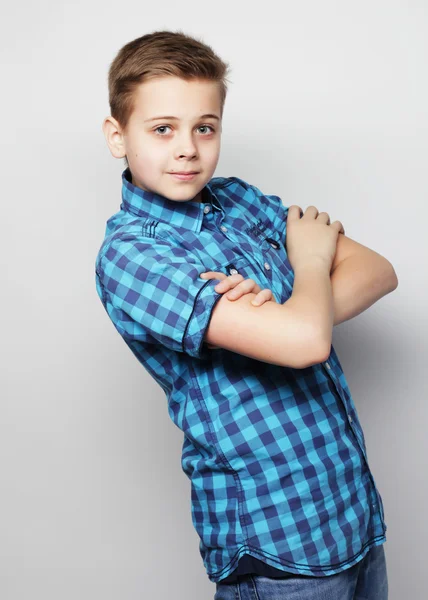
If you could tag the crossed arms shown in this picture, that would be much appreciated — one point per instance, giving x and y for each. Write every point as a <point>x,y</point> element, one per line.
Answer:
<point>282,334</point>
<point>359,278</point>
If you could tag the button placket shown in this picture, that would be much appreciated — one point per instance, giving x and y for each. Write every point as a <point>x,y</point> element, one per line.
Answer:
<point>277,246</point>
<point>273,243</point>
<point>349,417</point>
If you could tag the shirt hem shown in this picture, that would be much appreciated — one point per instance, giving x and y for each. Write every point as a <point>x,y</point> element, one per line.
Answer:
<point>290,567</point>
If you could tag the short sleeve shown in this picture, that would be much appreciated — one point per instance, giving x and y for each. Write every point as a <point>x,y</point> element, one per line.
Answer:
<point>153,293</point>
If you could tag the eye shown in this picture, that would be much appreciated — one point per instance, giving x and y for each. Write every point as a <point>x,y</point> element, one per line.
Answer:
<point>168,127</point>
<point>209,127</point>
<point>160,127</point>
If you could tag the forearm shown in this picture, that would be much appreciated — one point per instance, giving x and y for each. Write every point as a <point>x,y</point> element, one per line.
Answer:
<point>312,299</point>
<point>358,282</point>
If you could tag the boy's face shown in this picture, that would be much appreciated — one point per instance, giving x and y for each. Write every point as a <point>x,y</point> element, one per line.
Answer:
<point>157,147</point>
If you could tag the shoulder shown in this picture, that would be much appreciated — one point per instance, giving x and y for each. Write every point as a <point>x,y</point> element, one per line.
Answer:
<point>136,256</point>
<point>229,182</point>
<point>251,198</point>
<point>131,242</point>
<point>238,184</point>
<point>238,191</point>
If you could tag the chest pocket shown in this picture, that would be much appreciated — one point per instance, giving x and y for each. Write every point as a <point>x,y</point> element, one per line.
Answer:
<point>269,254</point>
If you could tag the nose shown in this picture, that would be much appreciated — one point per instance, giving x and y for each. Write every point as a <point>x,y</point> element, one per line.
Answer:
<point>186,147</point>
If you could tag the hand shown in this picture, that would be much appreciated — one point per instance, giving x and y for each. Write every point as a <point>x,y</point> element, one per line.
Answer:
<point>236,286</point>
<point>311,236</point>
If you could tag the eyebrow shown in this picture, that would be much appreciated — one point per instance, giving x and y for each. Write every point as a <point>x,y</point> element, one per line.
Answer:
<point>177,119</point>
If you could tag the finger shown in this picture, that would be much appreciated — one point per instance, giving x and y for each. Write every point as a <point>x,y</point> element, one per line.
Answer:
<point>338,225</point>
<point>213,275</point>
<point>244,287</point>
<point>241,288</point>
<point>311,212</point>
<point>228,283</point>
<point>324,217</point>
<point>262,297</point>
<point>295,212</point>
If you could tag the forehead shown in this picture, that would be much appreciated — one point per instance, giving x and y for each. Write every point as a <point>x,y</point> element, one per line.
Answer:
<point>182,98</point>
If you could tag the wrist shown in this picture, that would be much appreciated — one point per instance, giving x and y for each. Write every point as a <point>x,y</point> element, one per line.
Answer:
<point>316,262</point>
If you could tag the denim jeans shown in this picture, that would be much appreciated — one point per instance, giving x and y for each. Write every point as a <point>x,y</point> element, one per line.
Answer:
<point>366,580</point>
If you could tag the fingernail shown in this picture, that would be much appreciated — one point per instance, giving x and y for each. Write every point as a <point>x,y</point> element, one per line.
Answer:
<point>255,302</point>
<point>202,275</point>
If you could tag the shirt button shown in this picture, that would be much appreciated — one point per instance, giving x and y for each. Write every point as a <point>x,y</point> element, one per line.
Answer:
<point>327,365</point>
<point>207,209</point>
<point>267,266</point>
<point>350,418</point>
<point>233,271</point>
<point>223,228</point>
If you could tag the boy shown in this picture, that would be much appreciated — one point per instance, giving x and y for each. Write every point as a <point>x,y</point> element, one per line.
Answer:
<point>282,493</point>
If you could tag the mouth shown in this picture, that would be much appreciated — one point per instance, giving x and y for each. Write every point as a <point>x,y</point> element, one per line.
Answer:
<point>185,175</point>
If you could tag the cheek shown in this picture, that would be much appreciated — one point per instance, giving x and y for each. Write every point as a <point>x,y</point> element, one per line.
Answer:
<point>214,151</point>
<point>149,157</point>
<point>211,151</point>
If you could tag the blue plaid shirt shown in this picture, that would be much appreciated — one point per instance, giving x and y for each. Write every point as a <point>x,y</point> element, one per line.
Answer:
<point>276,456</point>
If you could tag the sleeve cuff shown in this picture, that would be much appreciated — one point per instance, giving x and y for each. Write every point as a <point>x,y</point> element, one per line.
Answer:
<point>199,320</point>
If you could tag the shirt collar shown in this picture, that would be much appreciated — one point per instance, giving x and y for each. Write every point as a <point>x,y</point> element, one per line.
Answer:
<point>150,204</point>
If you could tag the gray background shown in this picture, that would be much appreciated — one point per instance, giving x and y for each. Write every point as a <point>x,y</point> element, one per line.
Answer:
<point>327,106</point>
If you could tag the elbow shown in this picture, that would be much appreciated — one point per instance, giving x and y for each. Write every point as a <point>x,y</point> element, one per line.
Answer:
<point>318,351</point>
<point>394,279</point>
<point>324,353</point>
<point>321,346</point>
<point>321,355</point>
<point>391,277</point>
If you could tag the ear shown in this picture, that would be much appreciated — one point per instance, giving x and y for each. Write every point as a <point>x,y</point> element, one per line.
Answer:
<point>114,137</point>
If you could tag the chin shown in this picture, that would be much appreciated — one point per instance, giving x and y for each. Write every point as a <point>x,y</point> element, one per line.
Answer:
<point>183,194</point>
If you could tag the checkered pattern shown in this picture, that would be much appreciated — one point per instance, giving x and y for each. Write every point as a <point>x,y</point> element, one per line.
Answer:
<point>276,456</point>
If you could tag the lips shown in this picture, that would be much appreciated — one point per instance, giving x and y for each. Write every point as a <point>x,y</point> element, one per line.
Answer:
<point>185,176</point>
